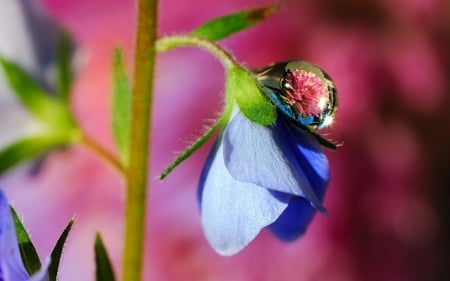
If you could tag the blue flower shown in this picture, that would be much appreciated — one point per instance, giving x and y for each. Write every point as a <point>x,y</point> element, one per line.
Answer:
<point>267,168</point>
<point>259,177</point>
<point>11,265</point>
<point>269,175</point>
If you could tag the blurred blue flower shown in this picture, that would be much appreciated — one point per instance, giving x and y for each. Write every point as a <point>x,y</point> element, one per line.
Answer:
<point>260,176</point>
<point>29,38</point>
<point>11,265</point>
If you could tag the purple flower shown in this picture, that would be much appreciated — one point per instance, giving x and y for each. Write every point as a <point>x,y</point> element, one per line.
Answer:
<point>260,176</point>
<point>11,265</point>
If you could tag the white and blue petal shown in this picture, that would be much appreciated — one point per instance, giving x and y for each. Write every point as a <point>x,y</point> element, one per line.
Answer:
<point>274,157</point>
<point>233,211</point>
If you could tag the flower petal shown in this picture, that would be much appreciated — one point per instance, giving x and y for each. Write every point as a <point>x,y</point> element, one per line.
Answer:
<point>206,168</point>
<point>308,154</point>
<point>298,215</point>
<point>294,220</point>
<point>271,157</point>
<point>234,212</point>
<point>11,265</point>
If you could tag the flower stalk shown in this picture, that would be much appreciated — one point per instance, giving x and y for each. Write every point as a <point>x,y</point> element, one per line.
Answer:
<point>136,179</point>
<point>87,142</point>
<point>170,42</point>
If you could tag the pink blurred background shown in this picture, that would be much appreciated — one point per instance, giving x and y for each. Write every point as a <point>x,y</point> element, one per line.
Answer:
<point>388,197</point>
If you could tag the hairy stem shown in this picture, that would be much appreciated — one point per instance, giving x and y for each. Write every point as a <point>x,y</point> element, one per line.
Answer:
<point>170,42</point>
<point>142,85</point>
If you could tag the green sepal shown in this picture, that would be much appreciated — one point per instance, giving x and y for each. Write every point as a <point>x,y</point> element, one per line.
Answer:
<point>121,106</point>
<point>26,149</point>
<point>103,268</point>
<point>57,252</point>
<point>39,103</point>
<point>28,253</point>
<point>242,88</point>
<point>64,73</point>
<point>193,147</point>
<point>225,26</point>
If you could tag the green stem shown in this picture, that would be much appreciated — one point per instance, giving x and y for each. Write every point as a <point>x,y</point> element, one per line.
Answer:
<point>98,149</point>
<point>139,140</point>
<point>170,42</point>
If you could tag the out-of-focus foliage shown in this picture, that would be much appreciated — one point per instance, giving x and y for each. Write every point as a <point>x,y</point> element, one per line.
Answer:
<point>57,126</point>
<point>121,106</point>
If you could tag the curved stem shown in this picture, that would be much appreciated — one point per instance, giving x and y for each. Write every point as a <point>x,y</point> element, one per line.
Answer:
<point>142,85</point>
<point>98,149</point>
<point>170,42</point>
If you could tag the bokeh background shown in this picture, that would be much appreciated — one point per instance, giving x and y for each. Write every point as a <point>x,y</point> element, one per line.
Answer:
<point>388,200</point>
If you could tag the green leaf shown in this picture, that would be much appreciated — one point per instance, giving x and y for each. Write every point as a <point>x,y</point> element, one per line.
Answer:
<point>104,271</point>
<point>64,52</point>
<point>243,89</point>
<point>28,253</point>
<point>121,106</point>
<point>34,98</point>
<point>57,252</point>
<point>225,26</point>
<point>26,149</point>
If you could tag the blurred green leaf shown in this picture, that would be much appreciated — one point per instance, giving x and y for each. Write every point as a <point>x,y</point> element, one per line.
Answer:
<point>104,271</point>
<point>243,89</point>
<point>35,99</point>
<point>121,106</point>
<point>57,252</point>
<point>225,26</point>
<point>28,253</point>
<point>25,149</point>
<point>64,72</point>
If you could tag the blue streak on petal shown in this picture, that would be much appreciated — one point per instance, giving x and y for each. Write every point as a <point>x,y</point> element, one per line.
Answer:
<point>11,266</point>
<point>266,156</point>
<point>298,215</point>
<point>305,154</point>
<point>234,212</point>
<point>294,220</point>
<point>206,168</point>
<point>307,151</point>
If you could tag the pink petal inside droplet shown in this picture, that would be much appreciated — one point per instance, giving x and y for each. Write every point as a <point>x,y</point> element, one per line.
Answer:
<point>306,92</point>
